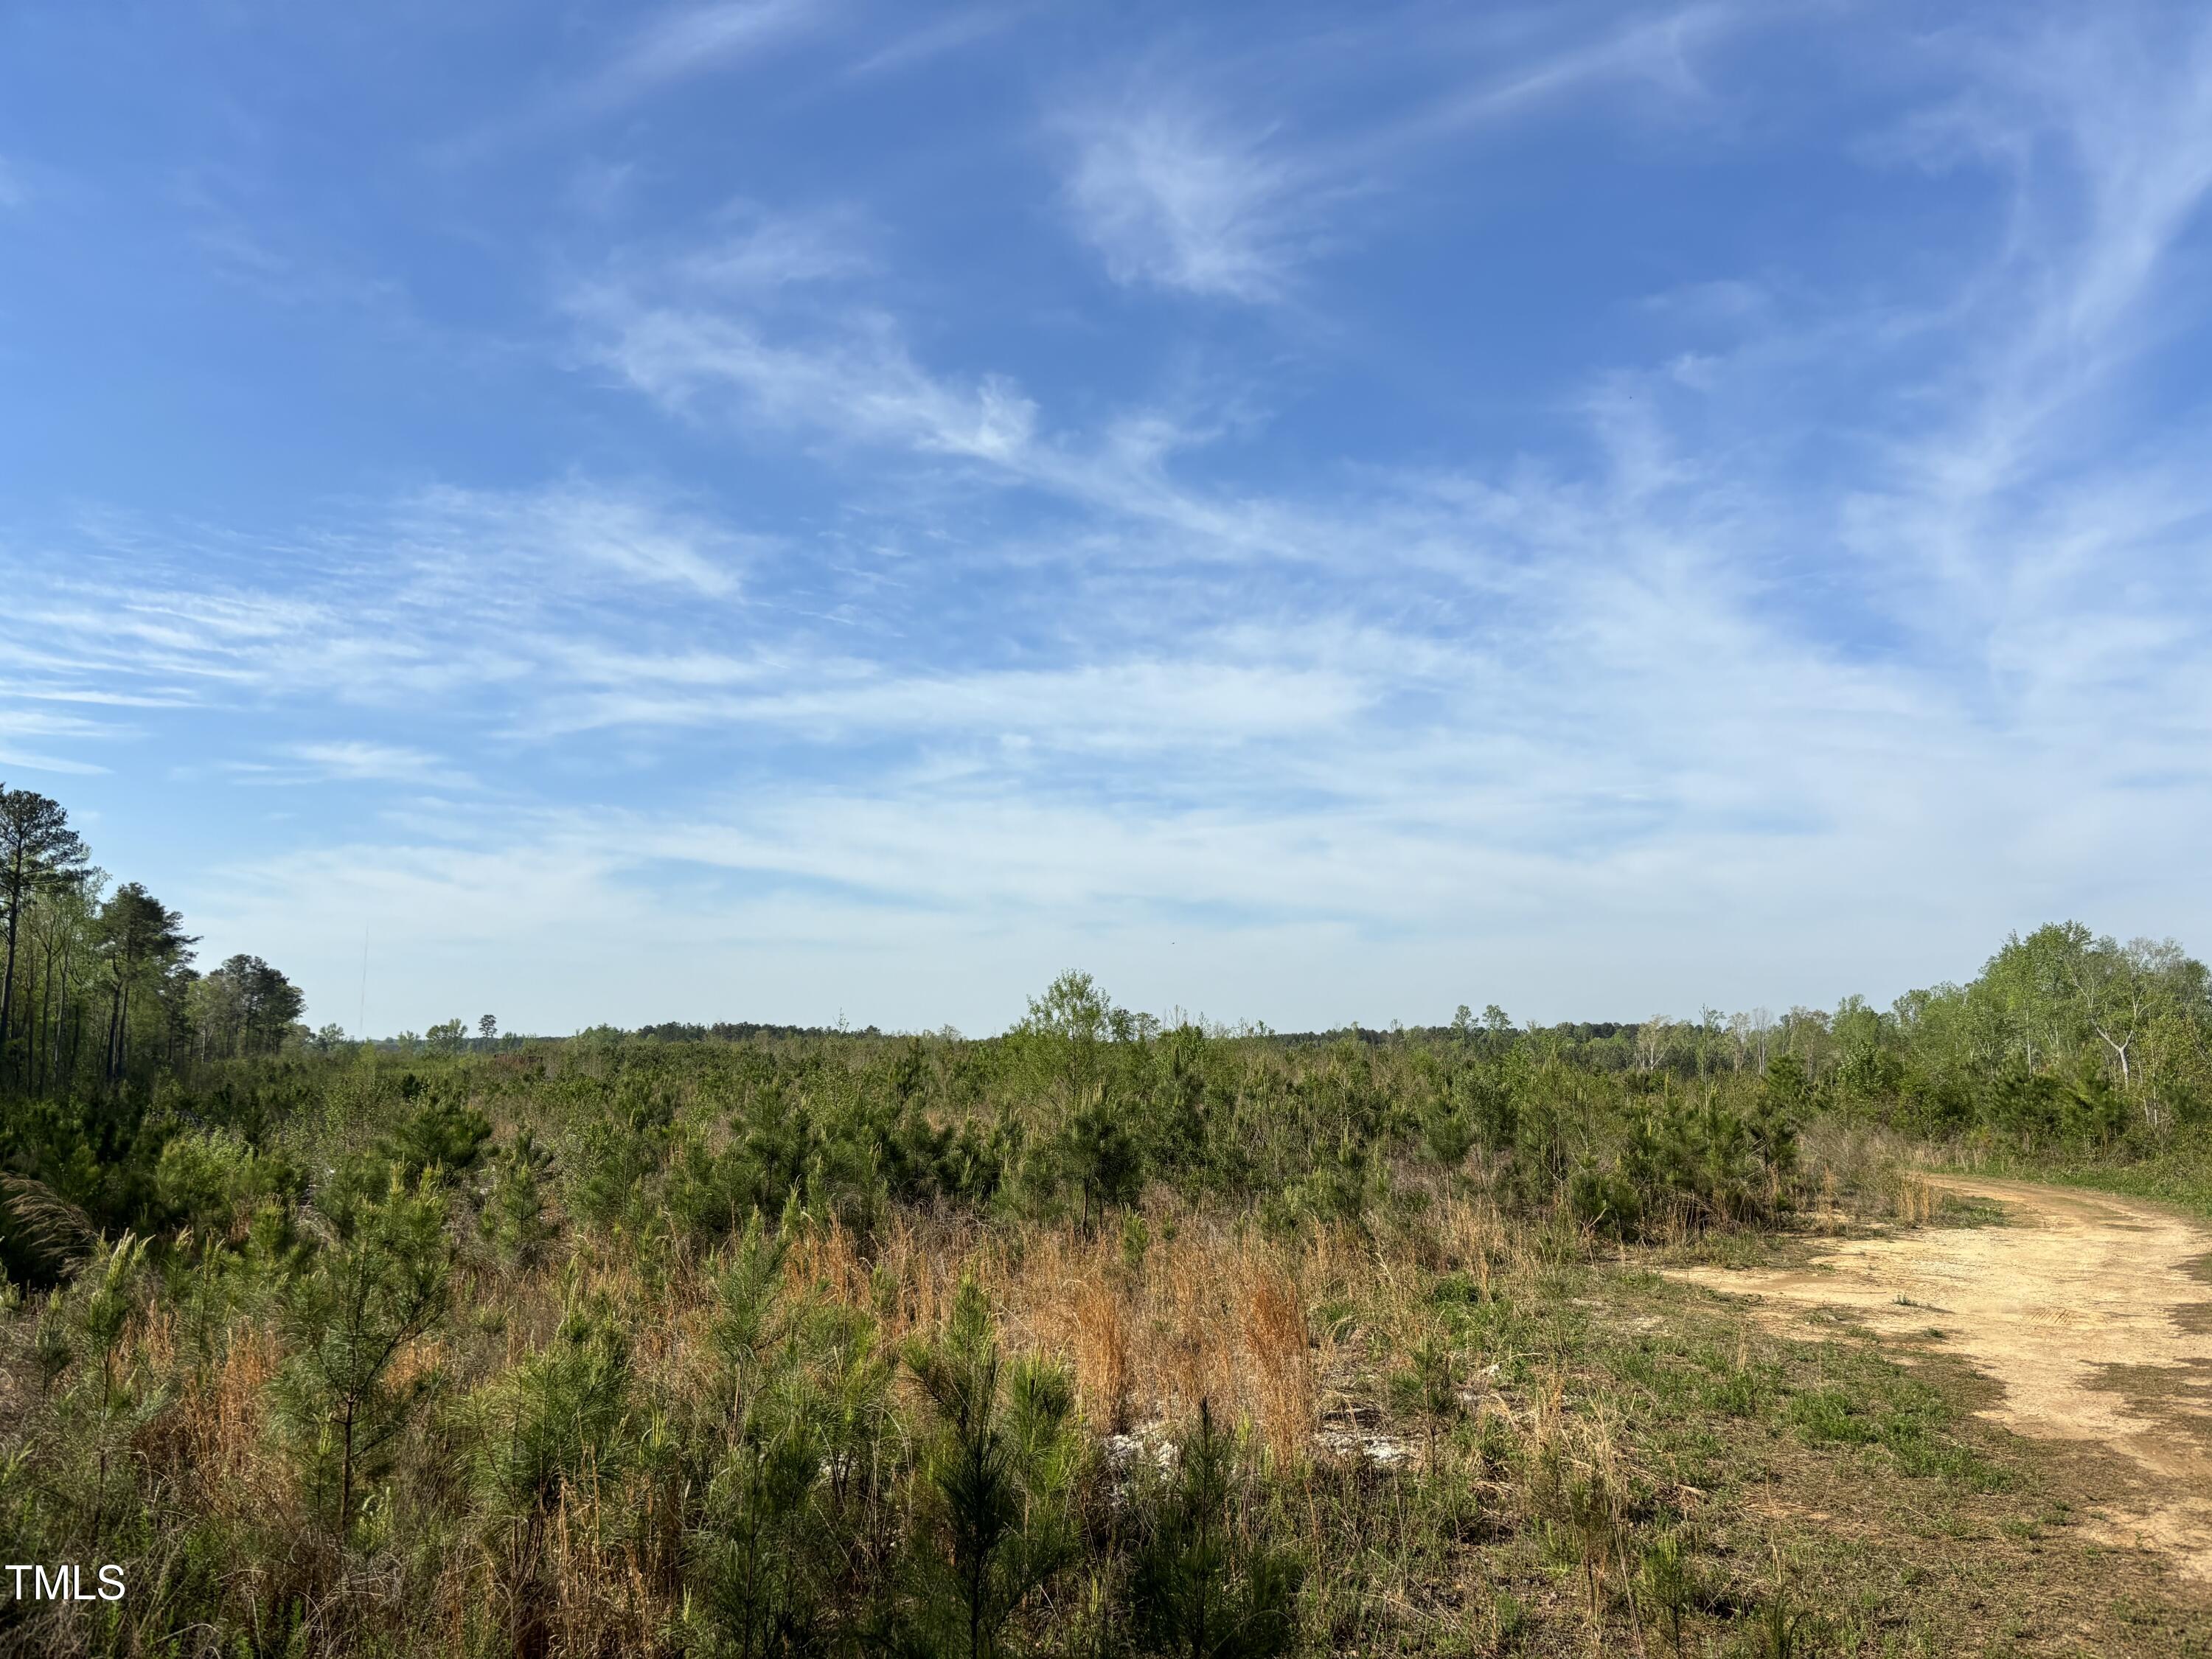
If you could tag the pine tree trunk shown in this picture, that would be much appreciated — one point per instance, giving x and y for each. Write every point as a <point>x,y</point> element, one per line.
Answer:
<point>118,1032</point>
<point>61,1030</point>
<point>8,980</point>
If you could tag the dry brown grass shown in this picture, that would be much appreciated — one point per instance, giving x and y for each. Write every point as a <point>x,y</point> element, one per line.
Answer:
<point>1101,1356</point>
<point>1285,1335</point>
<point>1275,1339</point>
<point>1217,1312</point>
<point>214,1447</point>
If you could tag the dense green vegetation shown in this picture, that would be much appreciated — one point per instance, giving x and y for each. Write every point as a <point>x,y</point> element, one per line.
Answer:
<point>1094,1336</point>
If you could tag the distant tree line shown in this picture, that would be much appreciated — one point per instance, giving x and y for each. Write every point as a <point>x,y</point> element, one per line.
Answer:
<point>98,990</point>
<point>2064,1036</point>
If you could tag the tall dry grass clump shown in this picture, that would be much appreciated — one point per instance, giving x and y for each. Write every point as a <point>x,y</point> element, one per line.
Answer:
<point>1276,1345</point>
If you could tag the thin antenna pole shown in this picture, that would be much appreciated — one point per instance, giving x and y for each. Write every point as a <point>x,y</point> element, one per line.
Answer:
<point>361,1025</point>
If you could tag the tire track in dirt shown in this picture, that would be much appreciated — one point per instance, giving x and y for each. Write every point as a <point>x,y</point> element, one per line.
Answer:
<point>2093,1312</point>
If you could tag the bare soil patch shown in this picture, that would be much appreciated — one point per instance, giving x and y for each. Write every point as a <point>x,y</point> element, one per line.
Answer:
<point>2090,1311</point>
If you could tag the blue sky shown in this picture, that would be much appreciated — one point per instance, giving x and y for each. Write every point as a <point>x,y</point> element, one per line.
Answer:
<point>770,509</point>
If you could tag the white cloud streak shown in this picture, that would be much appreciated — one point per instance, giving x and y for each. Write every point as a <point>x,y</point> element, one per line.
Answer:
<point>352,760</point>
<point>1189,191</point>
<point>584,529</point>
<point>1169,197</point>
<point>42,727</point>
<point>688,41</point>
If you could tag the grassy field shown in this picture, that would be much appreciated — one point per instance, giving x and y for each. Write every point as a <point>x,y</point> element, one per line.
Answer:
<point>1201,1345</point>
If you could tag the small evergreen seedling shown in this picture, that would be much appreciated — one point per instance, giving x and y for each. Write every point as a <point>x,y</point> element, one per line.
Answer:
<point>997,1485</point>
<point>105,1400</point>
<point>1668,1583</point>
<point>560,1417</point>
<point>749,1318</point>
<point>1427,1386</point>
<point>762,1550</point>
<point>1201,1587</point>
<point>1102,1160</point>
<point>514,1219</point>
<point>1449,1131</point>
<point>758,1555</point>
<point>367,1296</point>
<point>1136,1246</point>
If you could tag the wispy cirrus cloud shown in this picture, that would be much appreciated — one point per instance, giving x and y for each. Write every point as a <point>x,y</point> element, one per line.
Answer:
<point>1197,700</point>
<point>672,45</point>
<point>2029,467</point>
<point>762,254</point>
<point>575,529</point>
<point>357,761</point>
<point>860,381</point>
<point>350,761</point>
<point>1218,184</point>
<point>433,590</point>
<point>1171,196</point>
<point>28,737</point>
<point>759,360</point>
<point>1503,80</point>
<point>688,40</point>
<point>964,28</point>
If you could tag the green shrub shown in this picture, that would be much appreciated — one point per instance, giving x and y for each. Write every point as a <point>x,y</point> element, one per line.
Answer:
<point>207,1180</point>
<point>995,1516</point>
<point>1204,1582</point>
<point>514,1219</point>
<point>560,1418</point>
<point>362,1298</point>
<point>437,1135</point>
<point>780,1558</point>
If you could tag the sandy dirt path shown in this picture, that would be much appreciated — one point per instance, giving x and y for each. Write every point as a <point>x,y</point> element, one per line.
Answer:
<point>2093,1312</point>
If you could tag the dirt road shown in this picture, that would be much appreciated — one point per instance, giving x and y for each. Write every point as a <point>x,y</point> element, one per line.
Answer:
<point>2093,1312</point>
